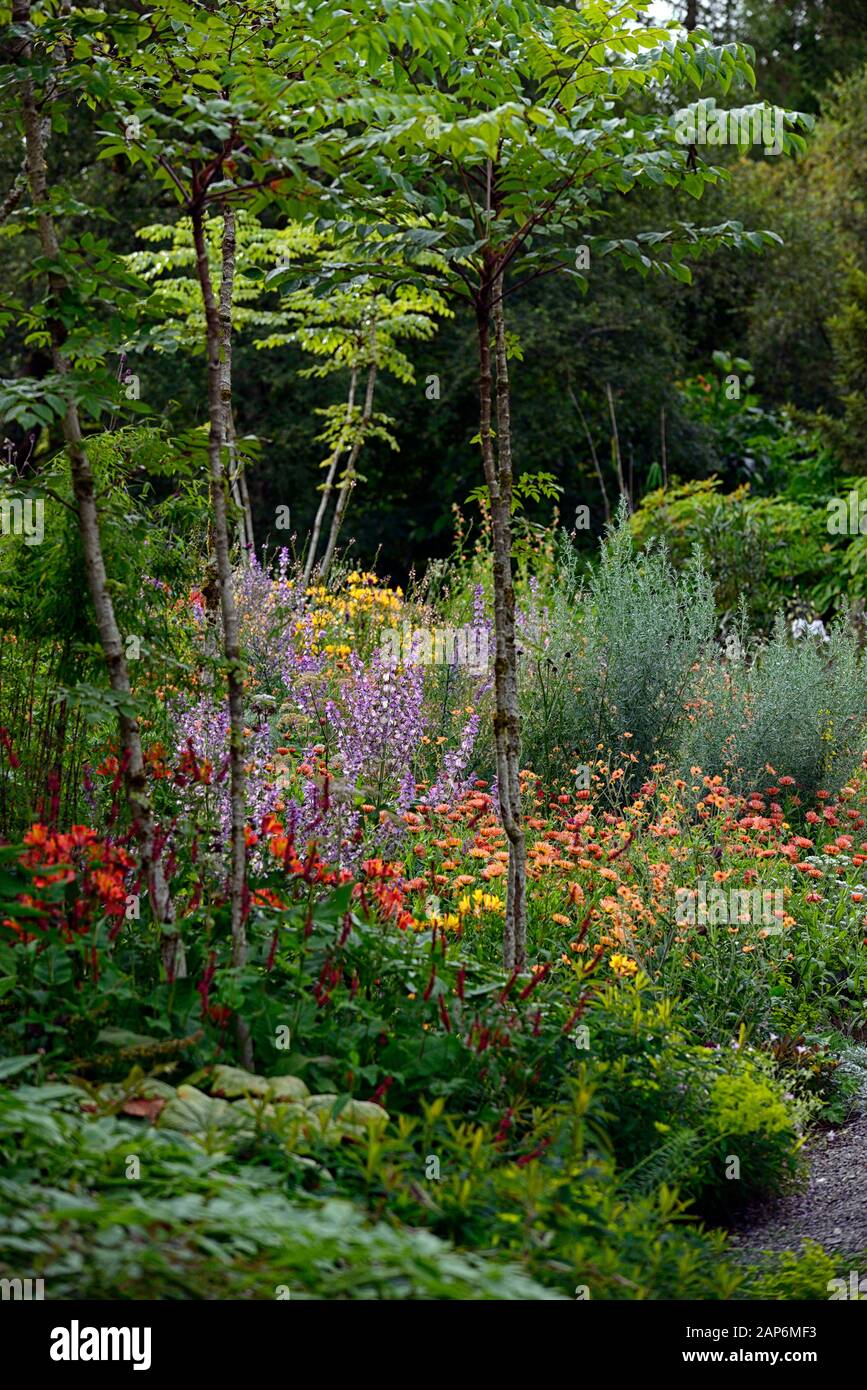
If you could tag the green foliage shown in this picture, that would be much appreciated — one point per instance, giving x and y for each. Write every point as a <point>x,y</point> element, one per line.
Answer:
<point>848,330</point>
<point>384,161</point>
<point>678,1113</point>
<point>632,666</point>
<point>528,487</point>
<point>193,1226</point>
<point>766,549</point>
<point>803,1275</point>
<point>797,708</point>
<point>805,710</point>
<point>607,670</point>
<point>57,707</point>
<point>768,538</point>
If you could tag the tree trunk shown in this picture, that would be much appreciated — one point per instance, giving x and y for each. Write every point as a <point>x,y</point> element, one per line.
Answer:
<point>248,511</point>
<point>328,488</point>
<point>15,194</point>
<point>138,796</point>
<point>349,475</point>
<point>218,326</point>
<point>507,738</point>
<point>227,283</point>
<point>615,447</point>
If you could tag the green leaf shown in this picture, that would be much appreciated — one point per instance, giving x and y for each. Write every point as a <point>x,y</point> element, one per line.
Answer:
<point>11,1066</point>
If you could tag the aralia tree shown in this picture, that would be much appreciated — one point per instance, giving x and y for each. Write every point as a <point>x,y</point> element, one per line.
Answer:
<point>504,155</point>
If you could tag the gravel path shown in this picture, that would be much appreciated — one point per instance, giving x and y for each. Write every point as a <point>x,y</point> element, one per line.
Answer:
<point>831,1210</point>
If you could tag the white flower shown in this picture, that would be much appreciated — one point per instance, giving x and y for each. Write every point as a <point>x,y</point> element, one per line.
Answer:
<point>801,628</point>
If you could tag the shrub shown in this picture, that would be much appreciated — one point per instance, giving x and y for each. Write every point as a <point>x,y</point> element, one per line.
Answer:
<point>806,1274</point>
<point>805,706</point>
<point>621,678</point>
<point>677,1112</point>
<point>764,548</point>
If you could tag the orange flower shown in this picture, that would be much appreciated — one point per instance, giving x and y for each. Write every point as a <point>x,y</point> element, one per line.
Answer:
<point>264,897</point>
<point>494,870</point>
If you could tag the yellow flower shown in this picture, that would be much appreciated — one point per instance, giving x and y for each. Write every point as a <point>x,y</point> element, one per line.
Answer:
<point>622,966</point>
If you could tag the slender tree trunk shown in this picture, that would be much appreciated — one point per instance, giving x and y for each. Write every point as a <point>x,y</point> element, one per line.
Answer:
<point>248,511</point>
<point>84,491</point>
<point>218,326</point>
<point>615,446</point>
<point>663,447</point>
<point>348,483</point>
<point>15,194</point>
<point>328,487</point>
<point>235,474</point>
<point>227,284</point>
<point>595,457</point>
<point>507,742</point>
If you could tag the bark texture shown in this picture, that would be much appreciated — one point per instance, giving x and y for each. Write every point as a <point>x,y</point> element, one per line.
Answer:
<point>507,739</point>
<point>237,483</point>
